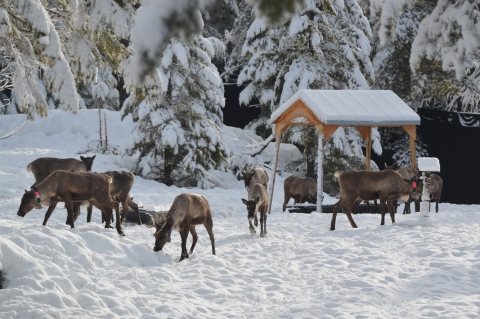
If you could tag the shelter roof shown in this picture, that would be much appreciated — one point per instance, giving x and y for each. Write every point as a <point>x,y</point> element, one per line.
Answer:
<point>353,107</point>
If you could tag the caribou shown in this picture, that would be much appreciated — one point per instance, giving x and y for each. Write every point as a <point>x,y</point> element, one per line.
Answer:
<point>70,187</point>
<point>120,191</point>
<point>257,202</point>
<point>385,186</point>
<point>187,211</point>
<point>256,175</point>
<point>408,173</point>
<point>44,166</point>
<point>301,189</point>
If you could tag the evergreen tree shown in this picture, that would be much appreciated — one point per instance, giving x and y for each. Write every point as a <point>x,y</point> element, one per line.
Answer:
<point>323,46</point>
<point>444,52</point>
<point>56,48</point>
<point>178,133</point>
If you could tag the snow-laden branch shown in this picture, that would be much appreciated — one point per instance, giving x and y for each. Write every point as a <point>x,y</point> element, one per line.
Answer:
<point>14,131</point>
<point>259,147</point>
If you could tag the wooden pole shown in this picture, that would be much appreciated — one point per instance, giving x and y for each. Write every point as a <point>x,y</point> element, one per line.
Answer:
<point>412,153</point>
<point>320,169</point>
<point>271,184</point>
<point>106,132</point>
<point>368,147</point>
<point>100,121</point>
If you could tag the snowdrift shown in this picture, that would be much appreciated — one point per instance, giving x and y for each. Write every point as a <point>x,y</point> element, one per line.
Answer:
<point>299,270</point>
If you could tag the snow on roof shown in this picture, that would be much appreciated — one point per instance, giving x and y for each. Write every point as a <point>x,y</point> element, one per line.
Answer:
<point>428,164</point>
<point>354,107</point>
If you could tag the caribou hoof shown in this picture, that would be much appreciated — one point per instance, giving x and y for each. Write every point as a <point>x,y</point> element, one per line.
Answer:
<point>252,230</point>
<point>169,239</point>
<point>120,231</point>
<point>184,256</point>
<point>263,234</point>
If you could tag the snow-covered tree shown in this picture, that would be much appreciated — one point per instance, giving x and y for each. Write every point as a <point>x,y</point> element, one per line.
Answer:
<point>178,133</point>
<point>324,45</point>
<point>445,49</point>
<point>160,20</point>
<point>59,44</point>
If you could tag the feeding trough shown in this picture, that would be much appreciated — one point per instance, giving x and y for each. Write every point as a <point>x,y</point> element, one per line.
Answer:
<point>148,217</point>
<point>426,165</point>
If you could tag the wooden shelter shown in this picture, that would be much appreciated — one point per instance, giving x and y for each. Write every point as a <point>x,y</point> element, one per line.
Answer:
<point>330,109</point>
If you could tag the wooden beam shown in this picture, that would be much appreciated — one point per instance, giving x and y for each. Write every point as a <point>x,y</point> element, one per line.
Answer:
<point>279,129</point>
<point>363,130</point>
<point>298,114</point>
<point>411,131</point>
<point>328,131</point>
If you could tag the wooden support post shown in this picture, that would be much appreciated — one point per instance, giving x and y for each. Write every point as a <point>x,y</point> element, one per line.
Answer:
<point>412,153</point>
<point>368,146</point>
<point>320,169</point>
<point>279,128</point>
<point>412,133</point>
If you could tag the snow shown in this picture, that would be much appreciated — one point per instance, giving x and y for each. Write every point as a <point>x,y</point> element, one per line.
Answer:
<point>353,107</point>
<point>428,164</point>
<point>300,270</point>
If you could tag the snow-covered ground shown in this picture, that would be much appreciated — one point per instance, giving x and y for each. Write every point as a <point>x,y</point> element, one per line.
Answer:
<point>300,270</point>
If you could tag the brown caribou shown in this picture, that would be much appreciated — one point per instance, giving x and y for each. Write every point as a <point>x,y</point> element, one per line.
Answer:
<point>256,175</point>
<point>407,173</point>
<point>436,185</point>
<point>44,166</point>
<point>68,187</point>
<point>120,191</point>
<point>187,211</point>
<point>301,189</point>
<point>257,202</point>
<point>385,186</point>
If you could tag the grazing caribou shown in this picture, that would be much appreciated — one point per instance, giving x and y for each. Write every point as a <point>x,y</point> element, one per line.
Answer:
<point>385,186</point>
<point>256,175</point>
<point>301,189</point>
<point>257,202</point>
<point>120,191</point>
<point>44,166</point>
<point>187,211</point>
<point>68,187</point>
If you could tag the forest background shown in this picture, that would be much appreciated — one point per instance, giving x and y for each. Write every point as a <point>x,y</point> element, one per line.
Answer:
<point>170,65</point>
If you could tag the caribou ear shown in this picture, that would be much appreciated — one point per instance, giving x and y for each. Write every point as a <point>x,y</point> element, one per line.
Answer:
<point>93,157</point>
<point>257,200</point>
<point>385,164</point>
<point>244,201</point>
<point>26,192</point>
<point>82,158</point>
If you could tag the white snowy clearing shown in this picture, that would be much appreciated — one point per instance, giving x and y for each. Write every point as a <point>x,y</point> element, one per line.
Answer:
<point>299,270</point>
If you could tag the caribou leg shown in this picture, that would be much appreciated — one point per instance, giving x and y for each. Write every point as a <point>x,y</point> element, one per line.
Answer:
<point>89,212</point>
<point>391,211</point>
<point>348,209</point>
<point>69,204</point>
<point>336,207</point>
<point>184,234</point>
<point>194,238</point>
<point>49,212</point>
<point>209,227</point>
<point>382,211</point>
<point>263,222</point>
